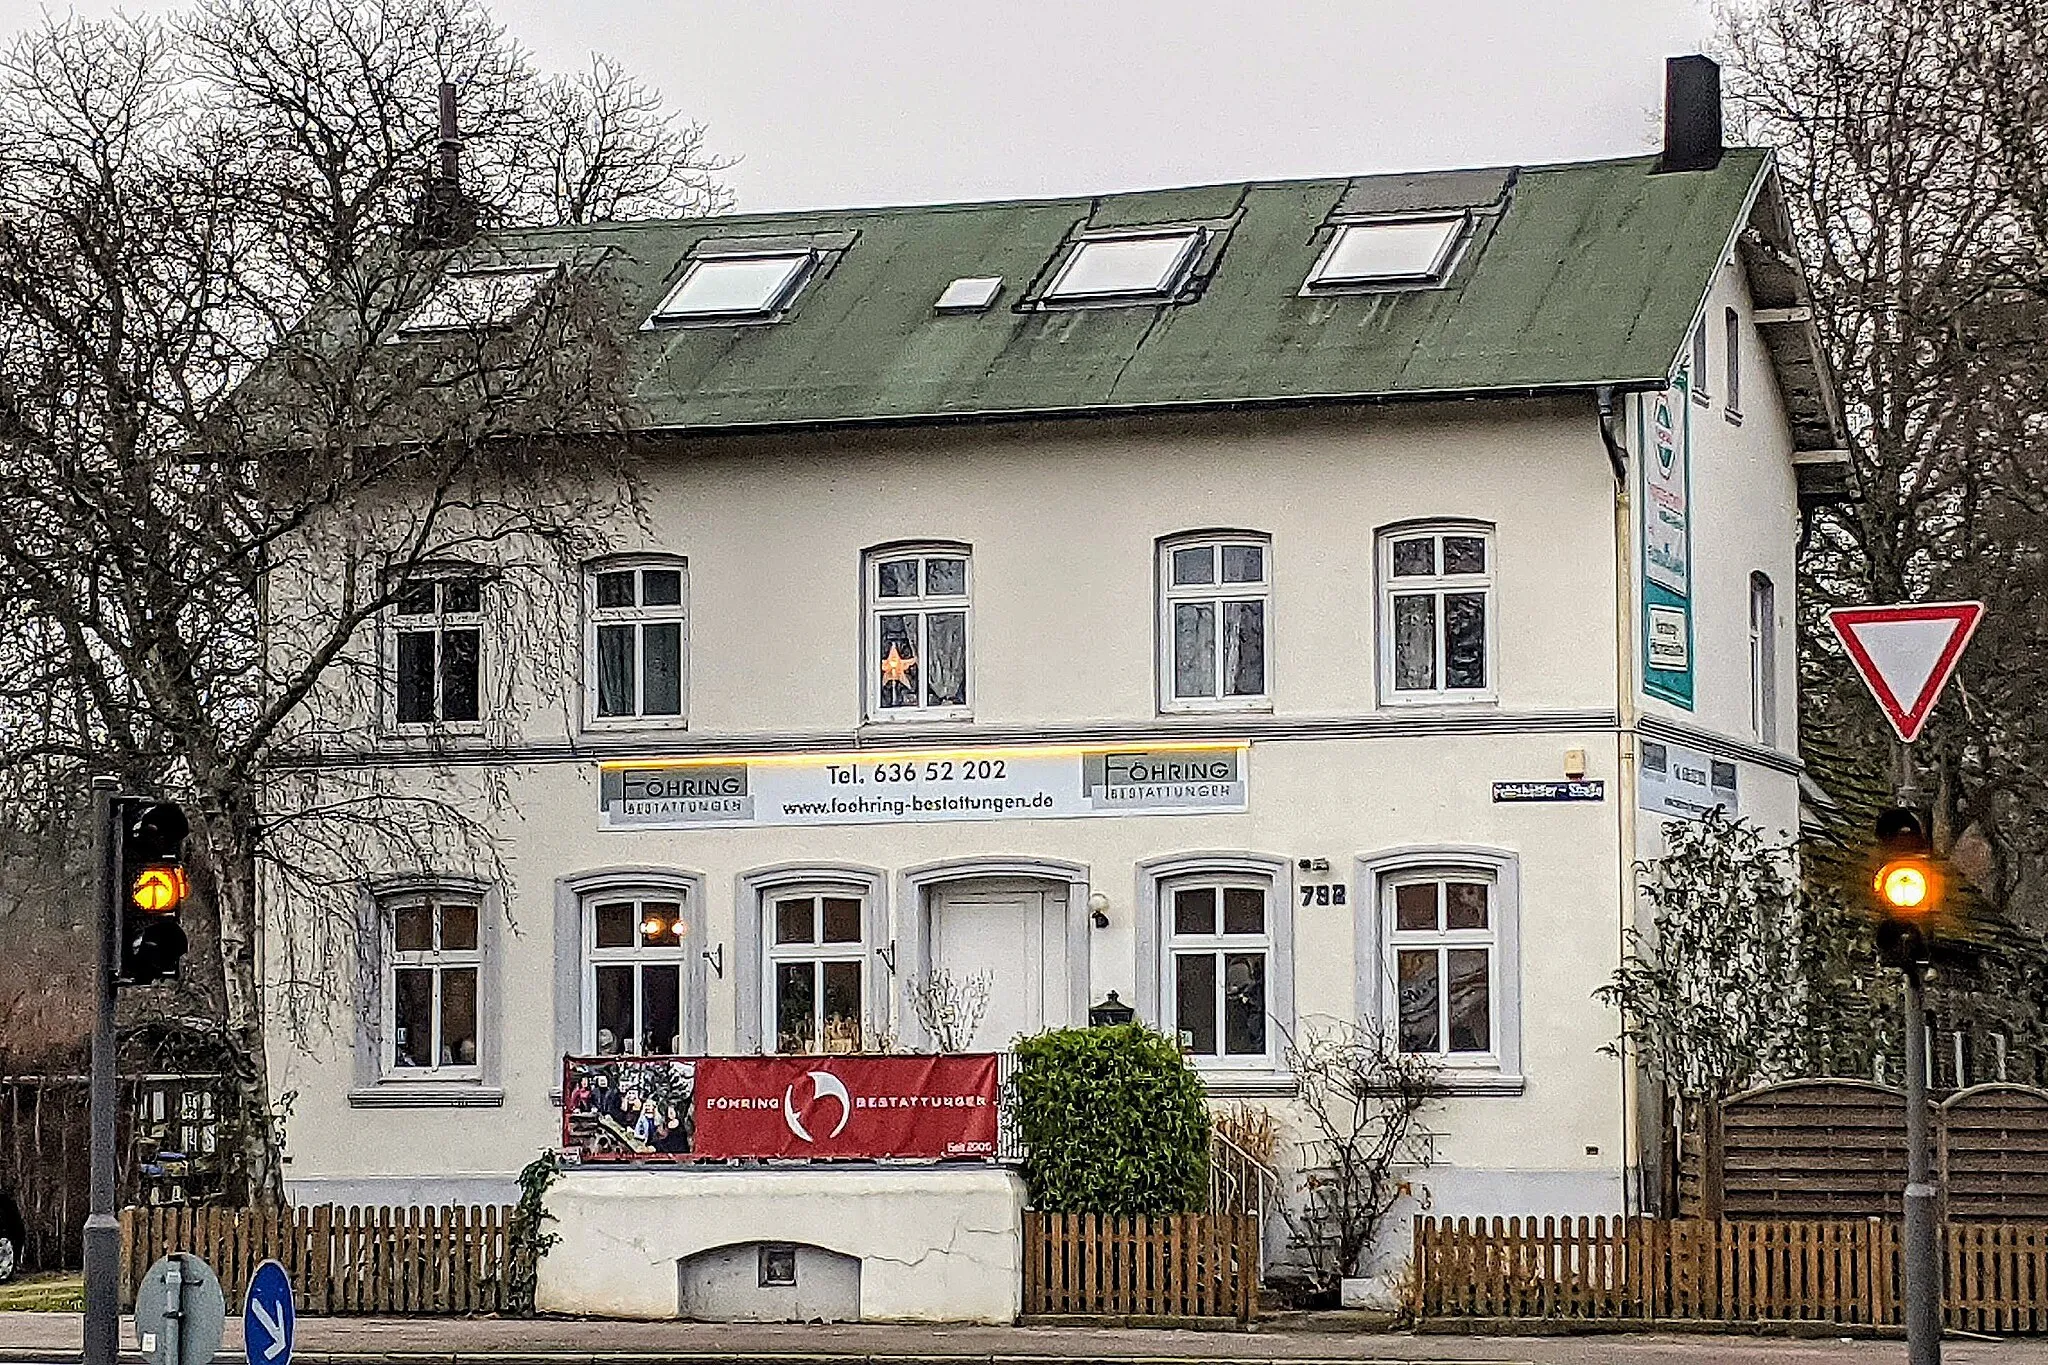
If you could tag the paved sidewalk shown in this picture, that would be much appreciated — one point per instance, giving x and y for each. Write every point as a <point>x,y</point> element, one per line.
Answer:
<point>55,1337</point>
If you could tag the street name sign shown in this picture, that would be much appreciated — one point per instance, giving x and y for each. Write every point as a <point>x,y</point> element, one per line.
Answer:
<point>268,1322</point>
<point>1906,654</point>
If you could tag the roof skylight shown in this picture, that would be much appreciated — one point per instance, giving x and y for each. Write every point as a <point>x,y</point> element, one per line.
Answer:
<point>735,286</point>
<point>475,299</point>
<point>1125,267</point>
<point>969,294</point>
<point>1412,251</point>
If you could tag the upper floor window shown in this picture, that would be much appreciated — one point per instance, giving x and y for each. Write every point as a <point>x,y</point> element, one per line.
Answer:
<point>816,967</point>
<point>1732,383</point>
<point>1441,936</point>
<point>1214,593</point>
<point>437,637</point>
<point>636,641</point>
<point>1763,658</point>
<point>1698,368</point>
<point>1436,612</point>
<point>473,300</point>
<point>918,602</point>
<point>633,954</point>
<point>431,980</point>
<point>1219,944</point>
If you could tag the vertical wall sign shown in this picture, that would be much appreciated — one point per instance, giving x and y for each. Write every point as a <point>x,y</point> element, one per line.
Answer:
<point>1665,438</point>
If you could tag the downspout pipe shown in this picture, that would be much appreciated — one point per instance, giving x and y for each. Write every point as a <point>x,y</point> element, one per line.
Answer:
<point>1617,456</point>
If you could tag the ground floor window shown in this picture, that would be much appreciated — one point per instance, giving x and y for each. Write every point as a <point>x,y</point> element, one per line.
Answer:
<point>431,972</point>
<point>634,951</point>
<point>815,970</point>
<point>1220,946</point>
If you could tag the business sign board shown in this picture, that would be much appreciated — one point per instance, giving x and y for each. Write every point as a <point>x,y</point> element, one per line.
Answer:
<point>915,787</point>
<point>1665,504</point>
<point>716,1108</point>
<point>1674,779</point>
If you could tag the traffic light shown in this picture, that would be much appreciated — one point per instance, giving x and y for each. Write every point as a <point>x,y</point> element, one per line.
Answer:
<point>151,888</point>
<point>1907,886</point>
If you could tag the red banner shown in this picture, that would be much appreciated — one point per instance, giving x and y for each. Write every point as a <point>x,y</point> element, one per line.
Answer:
<point>846,1106</point>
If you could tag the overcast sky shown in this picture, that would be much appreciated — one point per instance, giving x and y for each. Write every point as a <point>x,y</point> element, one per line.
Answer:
<point>907,101</point>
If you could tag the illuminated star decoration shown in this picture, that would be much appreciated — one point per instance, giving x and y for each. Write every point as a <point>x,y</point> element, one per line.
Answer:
<point>896,668</point>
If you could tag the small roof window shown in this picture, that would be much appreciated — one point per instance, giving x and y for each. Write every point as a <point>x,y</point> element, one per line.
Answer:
<point>1132,266</point>
<point>969,294</point>
<point>473,299</point>
<point>1389,251</point>
<point>736,286</point>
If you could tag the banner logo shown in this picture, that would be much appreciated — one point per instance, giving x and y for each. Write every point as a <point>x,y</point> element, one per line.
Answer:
<point>824,1085</point>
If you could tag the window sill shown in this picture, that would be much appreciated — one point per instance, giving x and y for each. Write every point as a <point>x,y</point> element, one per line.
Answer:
<point>407,730</point>
<point>915,716</point>
<point>1734,417</point>
<point>1226,1084</point>
<point>1249,706</point>
<point>629,725</point>
<point>1441,701</point>
<point>426,1095</point>
<point>1480,1083</point>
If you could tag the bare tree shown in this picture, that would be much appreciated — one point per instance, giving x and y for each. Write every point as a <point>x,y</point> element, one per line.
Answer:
<point>215,469</point>
<point>1361,1098</point>
<point>950,1008</point>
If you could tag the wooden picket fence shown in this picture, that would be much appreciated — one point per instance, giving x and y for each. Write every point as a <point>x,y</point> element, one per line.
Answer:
<point>1845,1271</point>
<point>1187,1265</point>
<point>342,1259</point>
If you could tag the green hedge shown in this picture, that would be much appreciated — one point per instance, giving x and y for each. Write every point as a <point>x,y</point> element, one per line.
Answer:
<point>1113,1120</point>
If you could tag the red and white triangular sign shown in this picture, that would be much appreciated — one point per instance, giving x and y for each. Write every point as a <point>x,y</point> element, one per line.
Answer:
<point>1906,654</point>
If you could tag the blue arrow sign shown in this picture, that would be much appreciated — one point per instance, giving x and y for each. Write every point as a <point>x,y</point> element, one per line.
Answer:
<point>268,1321</point>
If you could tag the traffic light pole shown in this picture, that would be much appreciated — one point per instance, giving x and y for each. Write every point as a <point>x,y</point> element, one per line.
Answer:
<point>1923,1268</point>
<point>102,1228</point>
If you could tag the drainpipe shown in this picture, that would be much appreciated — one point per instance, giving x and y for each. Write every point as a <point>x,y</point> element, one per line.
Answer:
<point>1613,435</point>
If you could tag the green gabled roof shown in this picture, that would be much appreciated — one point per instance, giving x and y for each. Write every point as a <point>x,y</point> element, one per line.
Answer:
<point>1578,275</point>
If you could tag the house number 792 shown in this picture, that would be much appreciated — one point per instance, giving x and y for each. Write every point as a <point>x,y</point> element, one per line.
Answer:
<point>1322,893</point>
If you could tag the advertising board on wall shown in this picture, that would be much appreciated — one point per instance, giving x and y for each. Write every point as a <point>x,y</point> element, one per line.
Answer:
<point>627,1108</point>
<point>1675,779</point>
<point>1665,438</point>
<point>914,787</point>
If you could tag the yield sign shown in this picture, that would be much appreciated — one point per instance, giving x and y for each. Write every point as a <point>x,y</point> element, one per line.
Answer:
<point>1906,654</point>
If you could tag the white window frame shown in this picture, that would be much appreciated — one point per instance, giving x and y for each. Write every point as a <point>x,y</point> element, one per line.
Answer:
<point>1498,1072</point>
<point>774,955</point>
<point>1321,282</point>
<point>1439,584</point>
<point>1169,285</point>
<point>636,956</point>
<point>1176,945</point>
<point>638,616</point>
<point>437,960</point>
<point>1763,658</point>
<point>1442,942</point>
<point>1731,322</point>
<point>921,605</point>
<point>478,300</point>
<point>1217,593</point>
<point>438,622</point>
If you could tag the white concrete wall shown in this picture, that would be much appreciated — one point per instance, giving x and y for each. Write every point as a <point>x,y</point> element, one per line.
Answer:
<point>940,1244</point>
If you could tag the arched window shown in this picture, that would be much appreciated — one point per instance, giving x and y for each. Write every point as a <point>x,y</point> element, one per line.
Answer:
<point>1215,621</point>
<point>635,947</point>
<point>919,603</point>
<point>1436,612</point>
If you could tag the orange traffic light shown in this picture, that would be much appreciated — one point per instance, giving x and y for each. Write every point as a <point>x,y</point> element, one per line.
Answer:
<point>1908,886</point>
<point>158,890</point>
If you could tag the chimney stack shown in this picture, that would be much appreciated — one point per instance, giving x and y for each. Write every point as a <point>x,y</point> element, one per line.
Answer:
<point>451,140</point>
<point>444,216</point>
<point>1692,114</point>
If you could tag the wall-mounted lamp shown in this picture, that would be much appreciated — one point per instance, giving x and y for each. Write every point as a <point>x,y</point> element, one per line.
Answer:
<point>1098,909</point>
<point>716,957</point>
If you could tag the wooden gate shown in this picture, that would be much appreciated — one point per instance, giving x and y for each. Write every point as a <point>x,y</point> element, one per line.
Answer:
<point>1186,1265</point>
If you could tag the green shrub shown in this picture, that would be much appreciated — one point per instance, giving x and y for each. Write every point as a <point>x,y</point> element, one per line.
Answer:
<point>1113,1120</point>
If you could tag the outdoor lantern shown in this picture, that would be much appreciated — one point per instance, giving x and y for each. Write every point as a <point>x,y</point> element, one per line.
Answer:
<point>1110,1012</point>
